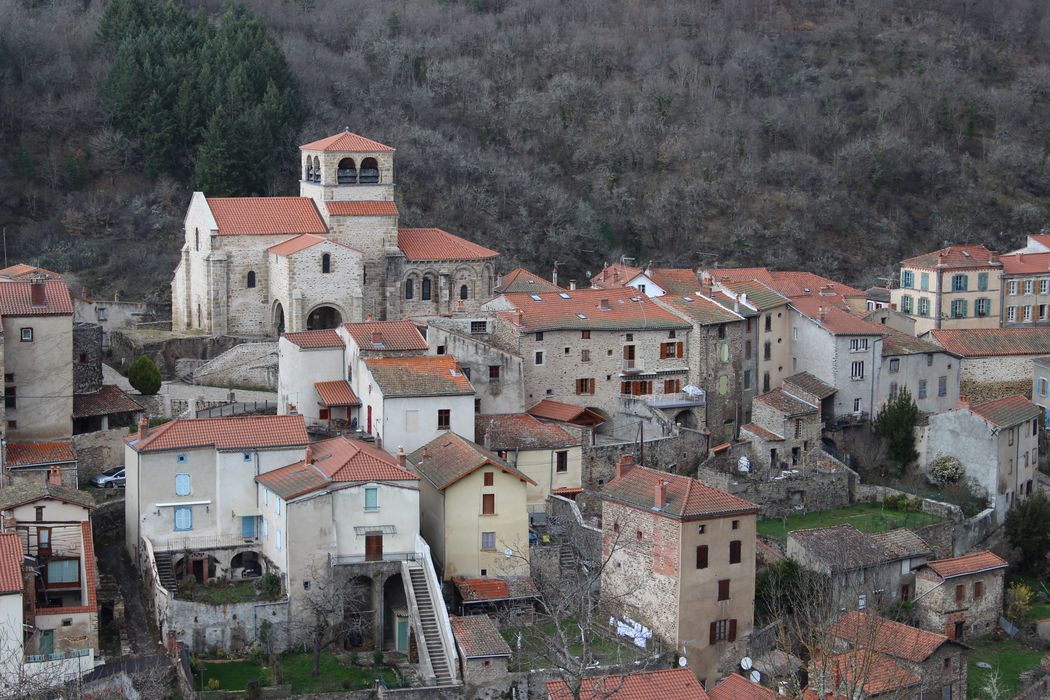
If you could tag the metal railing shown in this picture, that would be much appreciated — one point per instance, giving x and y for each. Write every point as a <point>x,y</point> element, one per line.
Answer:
<point>344,559</point>
<point>199,542</point>
<point>57,656</point>
<point>632,365</point>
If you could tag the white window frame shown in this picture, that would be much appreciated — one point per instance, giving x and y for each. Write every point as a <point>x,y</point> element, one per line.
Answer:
<point>1011,313</point>
<point>1028,312</point>
<point>1012,288</point>
<point>856,370</point>
<point>1044,286</point>
<point>1028,287</point>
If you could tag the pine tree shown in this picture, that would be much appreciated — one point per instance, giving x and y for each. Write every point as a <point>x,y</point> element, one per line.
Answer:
<point>895,423</point>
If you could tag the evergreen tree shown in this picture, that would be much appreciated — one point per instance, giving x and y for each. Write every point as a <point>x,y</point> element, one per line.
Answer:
<point>144,376</point>
<point>1028,529</point>
<point>895,423</point>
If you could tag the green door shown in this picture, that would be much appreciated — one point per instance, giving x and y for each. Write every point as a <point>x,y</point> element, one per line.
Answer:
<point>47,642</point>
<point>402,635</point>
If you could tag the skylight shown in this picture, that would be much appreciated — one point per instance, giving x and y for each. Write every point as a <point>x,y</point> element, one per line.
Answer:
<point>581,316</point>
<point>536,297</point>
<point>564,295</point>
<point>689,299</point>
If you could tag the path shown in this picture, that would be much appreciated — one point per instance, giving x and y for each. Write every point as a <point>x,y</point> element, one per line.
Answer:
<point>139,626</point>
<point>182,390</point>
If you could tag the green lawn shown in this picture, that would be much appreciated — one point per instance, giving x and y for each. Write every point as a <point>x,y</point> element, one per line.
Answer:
<point>1011,658</point>
<point>225,592</point>
<point>234,675</point>
<point>1040,593</point>
<point>866,517</point>
<point>532,654</point>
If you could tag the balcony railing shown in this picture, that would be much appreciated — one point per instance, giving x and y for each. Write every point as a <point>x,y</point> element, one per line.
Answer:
<point>199,542</point>
<point>57,656</point>
<point>345,559</point>
<point>632,365</point>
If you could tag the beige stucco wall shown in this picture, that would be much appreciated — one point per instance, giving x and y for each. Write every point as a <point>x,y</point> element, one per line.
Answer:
<point>939,284</point>
<point>464,525</point>
<point>298,370</point>
<point>43,377</point>
<point>540,466</point>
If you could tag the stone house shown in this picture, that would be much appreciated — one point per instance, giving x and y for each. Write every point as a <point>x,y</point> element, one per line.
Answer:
<point>474,508</point>
<point>892,319</point>
<point>951,288</point>
<point>997,443</point>
<point>545,452</point>
<point>53,525</point>
<point>507,599</point>
<point>860,675</point>
<point>769,328</point>
<point>994,362</point>
<point>680,559</point>
<point>40,461</point>
<point>483,652</point>
<point>676,683</point>
<point>1041,384</point>
<point>929,373</point>
<point>782,431</point>
<point>256,266</point>
<point>961,597</point>
<point>939,661</point>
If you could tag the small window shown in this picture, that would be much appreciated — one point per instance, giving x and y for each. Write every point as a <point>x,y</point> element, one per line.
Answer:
<point>247,456</point>
<point>409,289</point>
<point>372,498</point>
<point>539,357</point>
<point>182,484</point>
<point>585,335</point>
<point>960,593</point>
<point>723,589</point>
<point>326,263</point>
<point>440,349</point>
<point>734,552</point>
<point>100,313</point>
<point>278,539</point>
<point>183,518</point>
<point>701,529</point>
<point>493,373</point>
<point>736,525</point>
<point>701,556</point>
<point>489,477</point>
<point>27,335</point>
<point>488,504</point>
<point>251,279</point>
<point>181,458</point>
<point>488,542</point>
<point>424,289</point>
<point>10,397</point>
<point>978,590</point>
<point>585,355</point>
<point>39,513</point>
<point>539,336</point>
<point>479,327</point>
<point>444,419</point>
<point>895,365</point>
<point>464,293</point>
<point>561,461</point>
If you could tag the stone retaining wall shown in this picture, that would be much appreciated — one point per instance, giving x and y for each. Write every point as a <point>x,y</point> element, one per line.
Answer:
<point>166,348</point>
<point>99,451</point>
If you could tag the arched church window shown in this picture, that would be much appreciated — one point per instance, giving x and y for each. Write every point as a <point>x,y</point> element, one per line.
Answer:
<point>369,171</point>
<point>309,171</point>
<point>196,239</point>
<point>424,289</point>
<point>463,292</point>
<point>251,279</point>
<point>347,172</point>
<point>317,169</point>
<point>409,289</point>
<point>326,263</point>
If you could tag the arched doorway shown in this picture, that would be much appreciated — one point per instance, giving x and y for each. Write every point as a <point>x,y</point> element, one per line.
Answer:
<point>278,319</point>
<point>396,624</point>
<point>323,317</point>
<point>686,419</point>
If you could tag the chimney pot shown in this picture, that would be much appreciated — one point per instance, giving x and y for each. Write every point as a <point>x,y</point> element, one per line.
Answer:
<point>425,454</point>
<point>964,401</point>
<point>369,317</point>
<point>54,476</point>
<point>401,458</point>
<point>660,494</point>
<point>36,293</point>
<point>604,305</point>
<point>143,427</point>
<point>572,285</point>
<point>625,465</point>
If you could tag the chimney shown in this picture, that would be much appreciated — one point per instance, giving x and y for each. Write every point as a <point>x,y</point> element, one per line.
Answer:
<point>518,317</point>
<point>660,494</point>
<point>572,285</point>
<point>310,454</point>
<point>1020,257</point>
<point>964,401</point>
<point>369,318</point>
<point>54,476</point>
<point>377,338</point>
<point>823,312</point>
<point>379,441</point>
<point>604,305</point>
<point>625,465</point>
<point>116,295</point>
<point>424,455</point>
<point>401,459</point>
<point>554,276</point>
<point>36,293</point>
<point>143,427</point>
<point>742,298</point>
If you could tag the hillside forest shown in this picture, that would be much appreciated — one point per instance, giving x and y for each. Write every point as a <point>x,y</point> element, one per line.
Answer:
<point>837,136</point>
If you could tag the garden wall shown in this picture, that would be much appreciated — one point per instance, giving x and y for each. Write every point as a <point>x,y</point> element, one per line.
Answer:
<point>99,451</point>
<point>230,628</point>
<point>677,453</point>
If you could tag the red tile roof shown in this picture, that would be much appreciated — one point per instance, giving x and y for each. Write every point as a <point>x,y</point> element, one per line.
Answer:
<point>435,244</point>
<point>347,143</point>
<point>1004,413</point>
<point>994,342</point>
<point>699,309</point>
<point>829,314</point>
<point>967,564</point>
<point>247,432</point>
<point>783,402</point>
<point>958,257</point>
<point>741,274</point>
<point>795,284</point>
<point>326,338</point>
<point>478,637</point>
<point>521,280</point>
<point>894,639</point>
<point>434,375</point>
<point>565,413</point>
<point>450,457</point>
<point>11,561</point>
<point>336,393</point>
<point>16,299</point>
<point>24,454</point>
<point>475,590</point>
<point>272,216</point>
<point>1018,263</point>
<point>686,498</point>
<point>736,687</point>
<point>339,460</point>
<point>107,400</point>
<point>346,208</point>
<point>761,432</point>
<point>623,308</point>
<point>870,670</point>
<point>615,275</point>
<point>677,683</point>
<point>520,431</point>
<point>675,280</point>
<point>389,336</point>
<point>301,243</point>
<point>23,270</point>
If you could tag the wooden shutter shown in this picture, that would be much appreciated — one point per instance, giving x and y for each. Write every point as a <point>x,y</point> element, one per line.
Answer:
<point>488,504</point>
<point>734,552</point>
<point>679,349</point>
<point>732,630</point>
<point>960,593</point>
<point>663,351</point>
<point>714,633</point>
<point>701,556</point>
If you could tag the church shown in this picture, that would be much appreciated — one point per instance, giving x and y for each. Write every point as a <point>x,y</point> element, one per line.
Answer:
<point>261,266</point>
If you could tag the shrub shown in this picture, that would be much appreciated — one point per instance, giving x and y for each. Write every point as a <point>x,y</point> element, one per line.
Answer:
<point>946,469</point>
<point>1018,603</point>
<point>270,584</point>
<point>1028,528</point>
<point>895,423</point>
<point>144,376</point>
<point>256,654</point>
<point>377,657</point>
<point>214,684</point>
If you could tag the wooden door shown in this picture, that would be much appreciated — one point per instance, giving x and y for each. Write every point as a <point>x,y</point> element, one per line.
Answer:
<point>373,547</point>
<point>369,420</point>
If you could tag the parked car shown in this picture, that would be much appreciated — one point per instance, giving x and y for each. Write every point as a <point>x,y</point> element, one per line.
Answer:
<point>109,479</point>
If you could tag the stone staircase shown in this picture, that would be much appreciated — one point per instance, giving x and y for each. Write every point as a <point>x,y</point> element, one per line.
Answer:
<point>439,660</point>
<point>247,364</point>
<point>165,570</point>
<point>566,558</point>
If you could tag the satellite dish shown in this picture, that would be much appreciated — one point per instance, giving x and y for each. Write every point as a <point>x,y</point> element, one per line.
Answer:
<point>756,676</point>
<point>745,663</point>
<point>682,662</point>
<point>508,552</point>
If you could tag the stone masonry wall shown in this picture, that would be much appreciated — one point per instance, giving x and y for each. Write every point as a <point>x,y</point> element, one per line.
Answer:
<point>249,365</point>
<point>96,452</point>
<point>87,358</point>
<point>166,348</point>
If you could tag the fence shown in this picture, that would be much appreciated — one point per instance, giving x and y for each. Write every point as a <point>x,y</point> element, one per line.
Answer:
<point>240,408</point>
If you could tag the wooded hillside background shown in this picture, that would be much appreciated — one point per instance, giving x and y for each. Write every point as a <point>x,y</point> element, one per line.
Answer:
<point>828,135</point>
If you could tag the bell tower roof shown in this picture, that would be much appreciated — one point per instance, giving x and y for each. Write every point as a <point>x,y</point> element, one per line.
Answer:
<point>346,142</point>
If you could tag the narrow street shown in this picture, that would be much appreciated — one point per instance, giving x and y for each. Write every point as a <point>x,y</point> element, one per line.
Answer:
<point>138,626</point>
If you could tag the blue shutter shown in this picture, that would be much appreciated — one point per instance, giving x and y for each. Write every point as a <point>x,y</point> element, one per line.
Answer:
<point>372,498</point>
<point>184,518</point>
<point>182,484</point>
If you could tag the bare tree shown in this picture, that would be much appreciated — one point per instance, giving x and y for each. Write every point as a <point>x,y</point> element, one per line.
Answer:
<point>324,614</point>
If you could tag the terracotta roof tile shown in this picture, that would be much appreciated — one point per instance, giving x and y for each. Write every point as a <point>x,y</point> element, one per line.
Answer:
<point>11,561</point>
<point>675,280</point>
<point>1004,413</point>
<point>829,314</point>
<point>677,683</point>
<point>994,342</point>
<point>971,255</point>
<point>759,295</point>
<point>434,375</point>
<point>967,564</point>
<point>699,309</point>
<point>1014,263</point>
<point>24,454</point>
<point>565,413</point>
<point>336,393</point>
<point>272,216</point>
<point>761,432</point>
<point>478,637</point>
<point>842,547</point>
<point>326,338</point>
<point>356,208</point>
<point>741,274</point>
<point>584,309</point>
<point>872,671</point>
<point>301,243</point>
<point>348,143</point>
<point>794,284</point>
<point>521,280</point>
<point>894,639</point>
<point>450,457</point>
<point>686,497</point>
<point>16,299</point>
<point>476,590</point>
<point>736,687</point>
<point>520,431</point>
<point>435,244</point>
<point>106,401</point>
<point>248,432</point>
<point>614,276</point>
<point>783,402</point>
<point>809,384</point>
<point>24,492</point>
<point>21,270</point>
<point>903,543</point>
<point>390,336</point>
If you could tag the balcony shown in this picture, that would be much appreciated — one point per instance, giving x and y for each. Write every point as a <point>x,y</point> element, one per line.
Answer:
<point>348,559</point>
<point>632,366</point>
<point>201,542</point>
<point>57,656</point>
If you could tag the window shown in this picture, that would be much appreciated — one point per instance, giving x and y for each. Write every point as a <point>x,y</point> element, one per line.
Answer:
<point>493,373</point>
<point>247,456</point>
<point>479,327</point>
<point>924,306</point>
<point>982,307</point>
<point>372,498</point>
<point>561,461</point>
<point>539,357</point>
<point>723,630</point>
<point>277,541</point>
<point>1028,286</point>
<point>1010,437</point>
<point>585,386</point>
<point>982,281</point>
<point>326,263</point>
<point>723,589</point>
<point>464,293</point>
<point>39,513</point>
<point>1028,313</point>
<point>409,289</point>
<point>858,344</point>
<point>424,289</point>
<point>539,336</point>
<point>959,283</point>
<point>893,391</point>
<point>466,372</point>
<point>277,504</point>
<point>251,279</point>
<point>10,397</point>
<point>747,379</point>
<point>1043,386</point>
<point>769,322</point>
<point>924,281</point>
<point>735,525</point>
<point>27,335</point>
<point>906,303</point>
<point>856,405</point>
<point>960,593</point>
<point>978,589</point>
<point>747,349</point>
<point>585,355</point>
<point>440,349</point>
<point>721,331</point>
<point>701,556</point>
<point>488,504</point>
<point>959,308</point>
<point>942,386</point>
<point>1042,312</point>
<point>444,419</point>
<point>767,350</point>
<point>585,335</point>
<point>63,571</point>
<point>488,478</point>
<point>907,279</point>
<point>922,388</point>
<point>862,601</point>
<point>266,496</point>
<point>196,239</point>
<point>181,458</point>
<point>183,518</point>
<point>734,552</point>
<point>100,313</point>
<point>856,370</point>
<point>895,364</point>
<point>488,540</point>
<point>1012,287</point>
<point>1011,313</point>
<point>641,288</point>
<point>182,484</point>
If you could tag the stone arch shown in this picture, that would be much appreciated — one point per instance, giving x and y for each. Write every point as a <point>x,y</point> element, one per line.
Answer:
<point>346,173</point>
<point>409,287</point>
<point>488,274</point>
<point>324,316</point>
<point>369,172</point>
<point>278,318</point>
<point>250,282</point>
<point>246,559</point>
<point>201,567</point>
<point>308,169</point>
<point>685,419</point>
<point>395,603</point>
